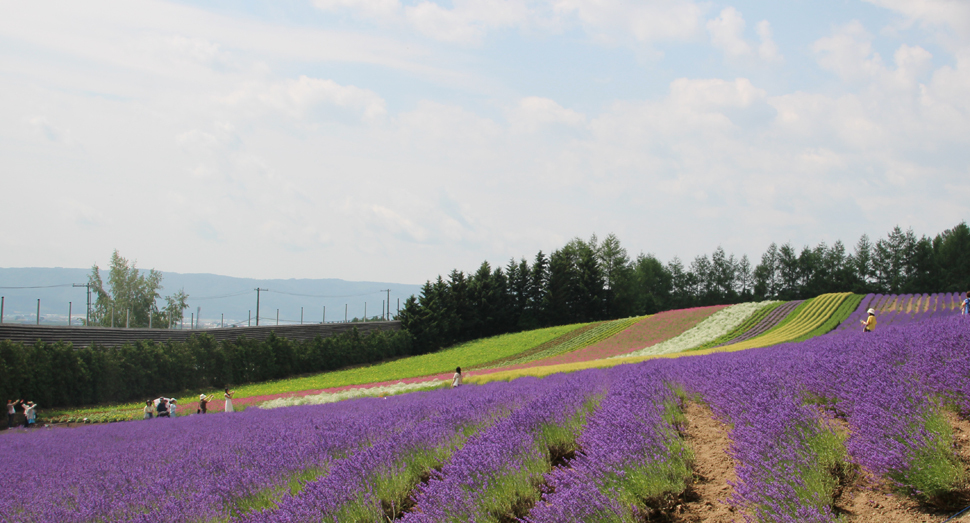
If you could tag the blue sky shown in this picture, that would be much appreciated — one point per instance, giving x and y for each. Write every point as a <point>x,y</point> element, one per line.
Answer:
<point>395,140</point>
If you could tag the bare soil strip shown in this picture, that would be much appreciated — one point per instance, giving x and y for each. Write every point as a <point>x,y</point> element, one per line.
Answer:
<point>868,500</point>
<point>706,498</point>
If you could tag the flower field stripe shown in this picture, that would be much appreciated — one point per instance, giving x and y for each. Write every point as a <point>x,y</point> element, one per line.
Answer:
<point>588,337</point>
<point>768,322</point>
<point>735,333</point>
<point>333,397</point>
<point>719,324</point>
<point>837,318</point>
<point>498,468</point>
<point>648,331</point>
<point>630,452</point>
<point>809,316</point>
<point>540,348</point>
<point>931,306</point>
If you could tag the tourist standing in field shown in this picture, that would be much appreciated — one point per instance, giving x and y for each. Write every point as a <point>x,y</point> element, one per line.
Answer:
<point>456,380</point>
<point>228,396</point>
<point>869,324</point>
<point>11,412</point>
<point>204,402</point>
<point>31,413</point>
<point>162,408</point>
<point>149,409</point>
<point>26,406</point>
<point>966,305</point>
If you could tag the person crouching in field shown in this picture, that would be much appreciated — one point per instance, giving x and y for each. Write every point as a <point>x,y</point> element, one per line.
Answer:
<point>456,380</point>
<point>149,409</point>
<point>869,324</point>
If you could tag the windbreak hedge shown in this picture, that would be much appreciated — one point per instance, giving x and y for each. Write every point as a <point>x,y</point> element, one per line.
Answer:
<point>58,375</point>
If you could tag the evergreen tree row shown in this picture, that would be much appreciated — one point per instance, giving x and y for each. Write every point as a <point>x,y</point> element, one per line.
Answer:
<point>590,280</point>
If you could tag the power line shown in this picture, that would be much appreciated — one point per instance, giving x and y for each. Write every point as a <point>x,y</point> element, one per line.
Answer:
<point>41,286</point>
<point>326,295</point>
<point>219,297</point>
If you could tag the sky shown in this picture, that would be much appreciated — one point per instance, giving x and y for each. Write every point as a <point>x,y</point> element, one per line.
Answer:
<point>395,140</point>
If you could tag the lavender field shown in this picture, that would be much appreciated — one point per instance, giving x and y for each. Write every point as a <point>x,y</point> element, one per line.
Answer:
<point>594,445</point>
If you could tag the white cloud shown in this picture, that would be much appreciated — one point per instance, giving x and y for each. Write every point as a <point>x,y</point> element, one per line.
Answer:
<point>767,49</point>
<point>534,112</point>
<point>369,8</point>
<point>298,98</point>
<point>954,14</point>
<point>714,93</point>
<point>727,34</point>
<point>849,53</point>
<point>639,20</point>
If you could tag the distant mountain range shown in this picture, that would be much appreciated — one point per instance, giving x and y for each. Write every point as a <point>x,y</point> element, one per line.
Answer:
<point>217,296</point>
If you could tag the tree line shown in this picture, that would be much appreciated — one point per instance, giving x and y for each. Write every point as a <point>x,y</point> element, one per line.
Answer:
<point>592,280</point>
<point>60,375</point>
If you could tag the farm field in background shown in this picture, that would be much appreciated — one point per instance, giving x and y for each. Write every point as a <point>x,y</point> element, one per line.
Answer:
<point>803,418</point>
<point>581,346</point>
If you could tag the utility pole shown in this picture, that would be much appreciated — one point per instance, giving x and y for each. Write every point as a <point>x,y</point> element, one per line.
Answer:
<point>38,311</point>
<point>2,298</point>
<point>388,315</point>
<point>365,310</point>
<point>301,315</point>
<point>192,321</point>
<point>277,317</point>
<point>324,314</point>
<point>345,313</point>
<point>87,314</point>
<point>222,322</point>
<point>257,304</point>
<point>250,322</point>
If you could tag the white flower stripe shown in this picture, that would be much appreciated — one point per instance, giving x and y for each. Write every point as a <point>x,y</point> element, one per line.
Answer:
<point>717,325</point>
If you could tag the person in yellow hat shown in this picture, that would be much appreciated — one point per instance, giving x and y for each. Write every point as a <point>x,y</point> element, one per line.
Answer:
<point>869,324</point>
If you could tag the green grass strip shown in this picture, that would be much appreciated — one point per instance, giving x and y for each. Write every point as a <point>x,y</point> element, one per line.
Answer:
<point>467,354</point>
<point>589,336</point>
<point>748,324</point>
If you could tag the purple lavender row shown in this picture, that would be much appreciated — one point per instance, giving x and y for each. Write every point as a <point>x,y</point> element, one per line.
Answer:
<point>775,438</point>
<point>889,386</point>
<point>182,469</point>
<point>931,306</point>
<point>367,485</point>
<point>497,468</point>
<point>626,445</point>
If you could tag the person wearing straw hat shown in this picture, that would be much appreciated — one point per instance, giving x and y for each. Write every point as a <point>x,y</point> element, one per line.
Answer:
<point>869,324</point>
<point>204,402</point>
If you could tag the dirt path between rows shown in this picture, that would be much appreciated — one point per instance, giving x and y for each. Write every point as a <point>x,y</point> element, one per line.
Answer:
<point>865,500</point>
<point>706,499</point>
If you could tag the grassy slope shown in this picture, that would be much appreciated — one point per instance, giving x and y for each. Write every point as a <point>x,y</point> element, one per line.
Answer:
<point>468,354</point>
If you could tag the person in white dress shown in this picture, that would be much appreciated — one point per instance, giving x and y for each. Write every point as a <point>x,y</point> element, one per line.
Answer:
<point>456,380</point>
<point>228,396</point>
